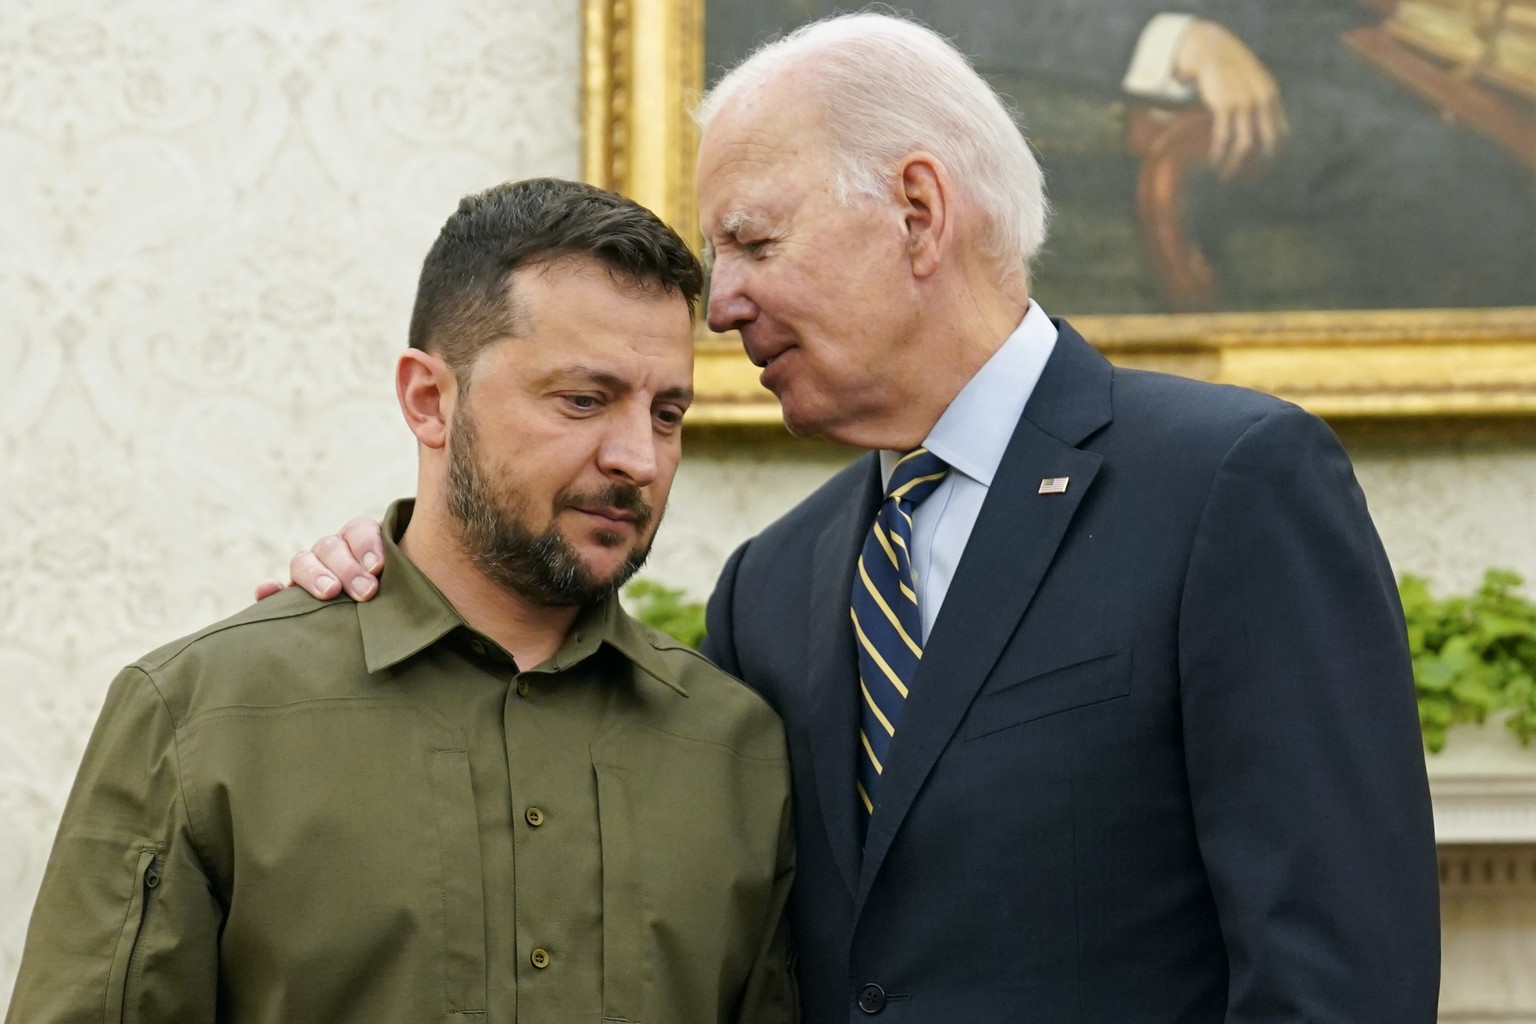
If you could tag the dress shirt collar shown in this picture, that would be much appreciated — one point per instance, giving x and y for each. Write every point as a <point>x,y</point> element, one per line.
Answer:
<point>409,614</point>
<point>974,431</point>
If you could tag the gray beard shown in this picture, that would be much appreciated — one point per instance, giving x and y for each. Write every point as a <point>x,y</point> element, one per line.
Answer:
<point>540,567</point>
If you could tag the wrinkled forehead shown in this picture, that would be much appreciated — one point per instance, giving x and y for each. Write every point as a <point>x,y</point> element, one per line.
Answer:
<point>754,152</point>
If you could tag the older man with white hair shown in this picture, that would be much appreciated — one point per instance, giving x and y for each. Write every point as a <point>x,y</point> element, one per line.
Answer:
<point>1095,680</point>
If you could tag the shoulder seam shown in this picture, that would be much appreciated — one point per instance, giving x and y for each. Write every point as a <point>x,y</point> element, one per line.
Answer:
<point>725,676</point>
<point>149,662</point>
<point>181,773</point>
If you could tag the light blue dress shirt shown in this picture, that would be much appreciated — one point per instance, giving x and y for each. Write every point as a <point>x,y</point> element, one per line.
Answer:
<point>971,437</point>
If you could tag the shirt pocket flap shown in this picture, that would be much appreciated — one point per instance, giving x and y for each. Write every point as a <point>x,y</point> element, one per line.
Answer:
<point>1091,681</point>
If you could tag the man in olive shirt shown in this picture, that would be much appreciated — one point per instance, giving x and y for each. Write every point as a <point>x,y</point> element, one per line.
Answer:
<point>487,795</point>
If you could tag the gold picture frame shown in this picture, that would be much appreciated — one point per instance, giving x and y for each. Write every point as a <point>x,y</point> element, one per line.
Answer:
<point>643,70</point>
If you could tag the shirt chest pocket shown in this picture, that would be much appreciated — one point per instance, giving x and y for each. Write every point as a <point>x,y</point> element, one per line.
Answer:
<point>354,821</point>
<point>689,847</point>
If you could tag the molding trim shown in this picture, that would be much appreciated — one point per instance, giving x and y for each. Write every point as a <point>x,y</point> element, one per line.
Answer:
<point>1485,809</point>
<point>1506,870</point>
<point>642,75</point>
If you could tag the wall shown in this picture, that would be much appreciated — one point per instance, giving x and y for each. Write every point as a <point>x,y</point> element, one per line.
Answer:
<point>210,228</point>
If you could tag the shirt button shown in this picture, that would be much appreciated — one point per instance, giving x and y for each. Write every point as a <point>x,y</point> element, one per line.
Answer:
<point>522,687</point>
<point>540,958</point>
<point>477,647</point>
<point>871,998</point>
<point>535,816</point>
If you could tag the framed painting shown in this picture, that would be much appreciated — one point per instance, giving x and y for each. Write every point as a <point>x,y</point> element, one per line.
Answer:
<point>1371,255</point>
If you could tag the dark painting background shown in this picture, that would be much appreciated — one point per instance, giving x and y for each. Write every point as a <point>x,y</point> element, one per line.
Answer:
<point>1377,200</point>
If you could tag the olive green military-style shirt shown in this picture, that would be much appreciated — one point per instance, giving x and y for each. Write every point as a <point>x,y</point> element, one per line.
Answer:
<point>331,812</point>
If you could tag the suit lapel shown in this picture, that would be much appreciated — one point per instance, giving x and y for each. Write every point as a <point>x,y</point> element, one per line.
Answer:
<point>834,679</point>
<point>1013,543</point>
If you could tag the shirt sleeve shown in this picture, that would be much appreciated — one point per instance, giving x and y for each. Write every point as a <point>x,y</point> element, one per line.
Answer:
<point>126,923</point>
<point>1150,74</point>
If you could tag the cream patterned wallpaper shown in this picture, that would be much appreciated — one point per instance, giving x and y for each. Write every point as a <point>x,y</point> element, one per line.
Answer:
<point>211,220</point>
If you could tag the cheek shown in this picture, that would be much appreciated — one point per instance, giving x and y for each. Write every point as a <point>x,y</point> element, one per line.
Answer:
<point>668,454</point>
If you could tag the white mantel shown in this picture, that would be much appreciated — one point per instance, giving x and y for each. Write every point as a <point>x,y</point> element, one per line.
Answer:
<point>1484,790</point>
<point>1484,787</point>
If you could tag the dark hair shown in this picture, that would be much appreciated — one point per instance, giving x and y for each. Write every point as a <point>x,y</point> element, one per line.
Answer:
<point>464,299</point>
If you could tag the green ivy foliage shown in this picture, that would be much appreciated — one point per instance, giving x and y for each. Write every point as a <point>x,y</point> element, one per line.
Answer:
<point>1473,655</point>
<point>666,609</point>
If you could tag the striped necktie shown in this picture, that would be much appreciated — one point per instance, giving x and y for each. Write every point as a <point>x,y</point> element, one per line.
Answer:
<point>886,621</point>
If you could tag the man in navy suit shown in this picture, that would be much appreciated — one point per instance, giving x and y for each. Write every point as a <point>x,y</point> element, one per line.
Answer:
<point>1159,760</point>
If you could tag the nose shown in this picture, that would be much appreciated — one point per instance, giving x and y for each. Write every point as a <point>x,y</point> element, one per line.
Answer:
<point>628,450</point>
<point>729,306</point>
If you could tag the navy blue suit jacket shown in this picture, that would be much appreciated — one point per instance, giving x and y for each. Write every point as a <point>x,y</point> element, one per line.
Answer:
<point>1161,761</point>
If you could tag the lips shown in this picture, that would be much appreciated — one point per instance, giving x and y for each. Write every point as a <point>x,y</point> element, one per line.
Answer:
<point>616,507</point>
<point>763,355</point>
<point>777,370</point>
<point>617,515</point>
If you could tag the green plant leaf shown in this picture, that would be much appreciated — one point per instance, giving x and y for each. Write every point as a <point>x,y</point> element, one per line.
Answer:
<point>667,609</point>
<point>1473,655</point>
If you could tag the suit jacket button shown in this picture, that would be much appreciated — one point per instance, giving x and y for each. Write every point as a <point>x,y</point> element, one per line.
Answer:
<point>871,998</point>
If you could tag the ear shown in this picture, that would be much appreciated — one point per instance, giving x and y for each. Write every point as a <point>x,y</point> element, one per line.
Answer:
<point>427,389</point>
<point>922,186</point>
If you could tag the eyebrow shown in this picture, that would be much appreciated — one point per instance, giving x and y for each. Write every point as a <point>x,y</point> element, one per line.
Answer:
<point>734,222</point>
<point>730,226</point>
<point>604,379</point>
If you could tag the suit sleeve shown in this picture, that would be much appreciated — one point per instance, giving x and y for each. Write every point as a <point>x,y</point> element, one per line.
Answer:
<point>719,637</point>
<point>1305,764</point>
<point>126,925</point>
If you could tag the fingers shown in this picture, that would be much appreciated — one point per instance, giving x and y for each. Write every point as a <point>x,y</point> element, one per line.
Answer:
<point>306,571</point>
<point>1221,136</point>
<point>365,540</point>
<point>1238,137</point>
<point>1273,126</point>
<point>1240,147</point>
<point>328,568</point>
<point>1247,117</point>
<point>345,561</point>
<point>266,588</point>
<point>1247,121</point>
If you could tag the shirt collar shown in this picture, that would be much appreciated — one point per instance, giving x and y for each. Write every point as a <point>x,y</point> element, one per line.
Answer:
<point>409,614</point>
<point>973,433</point>
<point>618,629</point>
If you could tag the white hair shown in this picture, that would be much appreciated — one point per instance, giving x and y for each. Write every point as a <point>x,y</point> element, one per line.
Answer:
<point>889,87</point>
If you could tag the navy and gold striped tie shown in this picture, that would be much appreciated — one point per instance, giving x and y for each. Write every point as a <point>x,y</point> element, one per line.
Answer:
<point>886,621</point>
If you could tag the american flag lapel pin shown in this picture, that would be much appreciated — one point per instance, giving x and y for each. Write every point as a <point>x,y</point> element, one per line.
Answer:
<point>1054,485</point>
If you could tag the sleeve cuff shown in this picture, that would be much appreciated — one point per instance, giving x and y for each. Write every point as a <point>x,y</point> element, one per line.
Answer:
<point>1150,75</point>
